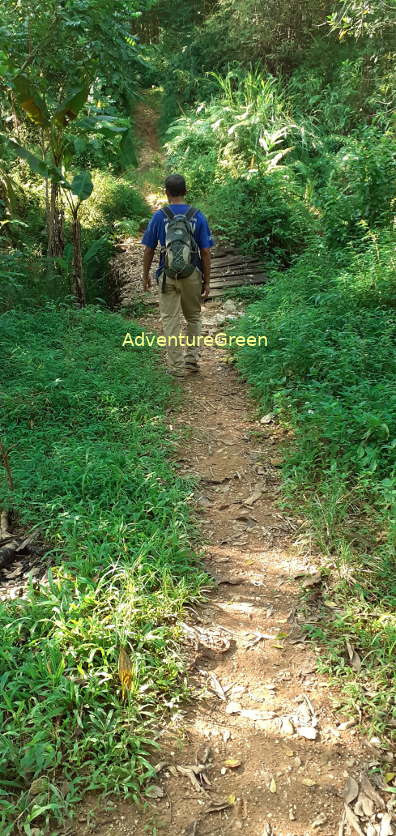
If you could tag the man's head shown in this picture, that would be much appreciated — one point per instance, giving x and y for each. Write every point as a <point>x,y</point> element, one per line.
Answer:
<point>175,186</point>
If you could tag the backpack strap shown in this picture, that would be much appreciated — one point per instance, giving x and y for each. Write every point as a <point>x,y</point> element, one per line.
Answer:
<point>168,212</point>
<point>190,213</point>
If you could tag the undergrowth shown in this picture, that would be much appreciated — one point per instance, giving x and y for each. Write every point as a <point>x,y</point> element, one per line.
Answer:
<point>89,449</point>
<point>28,278</point>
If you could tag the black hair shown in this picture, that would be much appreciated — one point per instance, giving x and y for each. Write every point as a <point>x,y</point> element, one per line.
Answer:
<point>175,185</point>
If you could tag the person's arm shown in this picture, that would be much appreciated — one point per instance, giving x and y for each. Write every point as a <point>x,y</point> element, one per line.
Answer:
<point>205,258</point>
<point>148,256</point>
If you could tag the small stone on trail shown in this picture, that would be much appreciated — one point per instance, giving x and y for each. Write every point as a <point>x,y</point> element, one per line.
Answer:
<point>321,819</point>
<point>307,731</point>
<point>287,727</point>
<point>252,498</point>
<point>233,708</point>
<point>232,763</point>
<point>229,306</point>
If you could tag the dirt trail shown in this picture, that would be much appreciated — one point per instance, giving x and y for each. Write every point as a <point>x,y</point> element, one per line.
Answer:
<point>262,726</point>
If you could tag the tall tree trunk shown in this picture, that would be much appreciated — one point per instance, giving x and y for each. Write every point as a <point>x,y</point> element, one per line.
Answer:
<point>55,218</point>
<point>78,277</point>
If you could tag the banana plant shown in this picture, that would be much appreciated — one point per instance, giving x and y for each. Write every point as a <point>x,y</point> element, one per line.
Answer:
<point>53,142</point>
<point>58,145</point>
<point>50,165</point>
<point>81,188</point>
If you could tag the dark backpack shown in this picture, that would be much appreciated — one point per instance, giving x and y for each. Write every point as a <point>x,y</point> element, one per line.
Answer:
<point>180,245</point>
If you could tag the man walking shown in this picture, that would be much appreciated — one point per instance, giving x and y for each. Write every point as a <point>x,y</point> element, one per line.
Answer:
<point>183,273</point>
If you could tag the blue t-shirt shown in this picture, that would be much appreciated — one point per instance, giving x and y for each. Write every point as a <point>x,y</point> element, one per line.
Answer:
<point>155,232</point>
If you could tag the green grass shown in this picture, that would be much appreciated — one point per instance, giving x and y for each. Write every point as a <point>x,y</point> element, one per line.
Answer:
<point>329,373</point>
<point>89,448</point>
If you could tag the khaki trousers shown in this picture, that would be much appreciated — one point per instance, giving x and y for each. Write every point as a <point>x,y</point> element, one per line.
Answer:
<point>181,295</point>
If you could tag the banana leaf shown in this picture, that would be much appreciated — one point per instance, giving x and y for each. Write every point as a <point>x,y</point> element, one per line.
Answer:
<point>39,166</point>
<point>70,108</point>
<point>82,185</point>
<point>31,101</point>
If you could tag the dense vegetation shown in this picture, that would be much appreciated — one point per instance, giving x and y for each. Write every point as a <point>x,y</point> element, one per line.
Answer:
<point>287,142</point>
<point>280,116</point>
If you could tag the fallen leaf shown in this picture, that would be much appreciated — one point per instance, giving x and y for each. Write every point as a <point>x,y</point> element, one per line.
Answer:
<point>372,793</point>
<point>351,790</point>
<point>38,786</point>
<point>364,805</point>
<point>266,419</point>
<point>231,799</point>
<point>216,686</point>
<point>348,724</point>
<point>232,763</point>
<point>252,714</point>
<point>204,755</point>
<point>159,766</point>
<point>191,772</point>
<point>312,580</point>
<point>354,657</point>
<point>125,670</point>
<point>389,776</point>
<point>372,830</point>
<point>353,821</point>
<point>272,786</point>
<point>307,731</point>
<point>342,824</point>
<point>331,604</point>
<point>386,825</point>
<point>287,727</point>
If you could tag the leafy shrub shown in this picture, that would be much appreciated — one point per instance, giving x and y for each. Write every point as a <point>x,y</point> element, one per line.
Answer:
<point>360,192</point>
<point>113,199</point>
<point>265,215</point>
